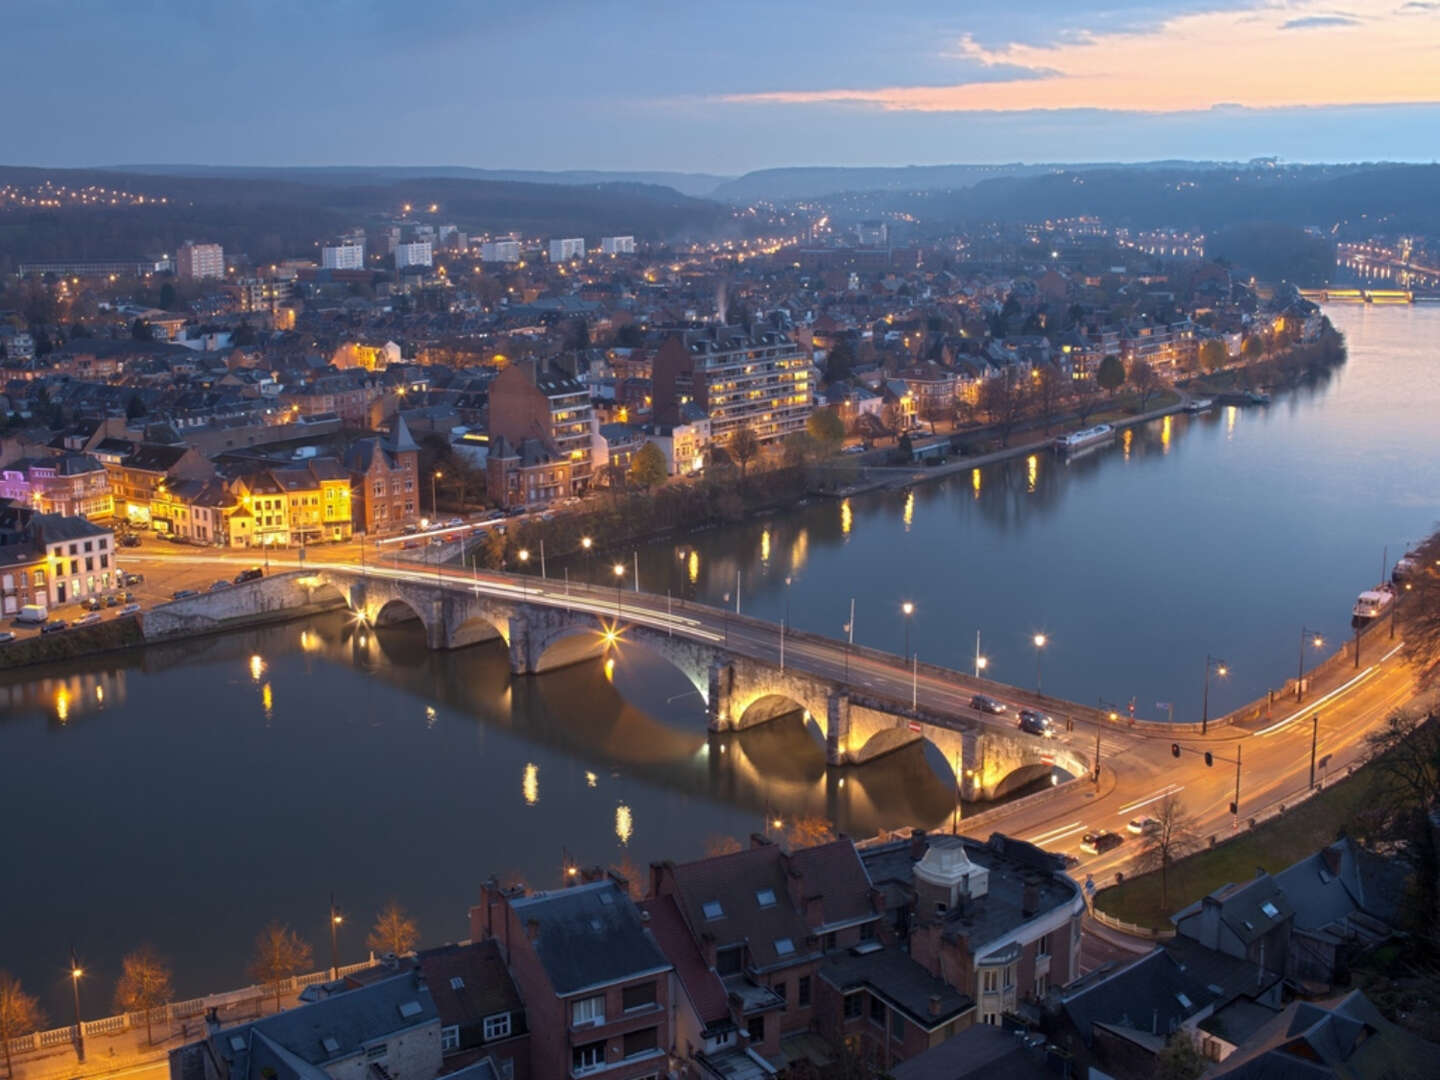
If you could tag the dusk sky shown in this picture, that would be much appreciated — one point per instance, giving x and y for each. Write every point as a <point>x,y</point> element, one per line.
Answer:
<point>722,87</point>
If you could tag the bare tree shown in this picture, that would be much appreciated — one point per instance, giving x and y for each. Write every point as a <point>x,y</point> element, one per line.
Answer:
<point>144,985</point>
<point>394,931</point>
<point>1145,381</point>
<point>809,831</point>
<point>743,447</point>
<point>1169,840</point>
<point>717,844</point>
<point>1003,399</point>
<point>19,1015</point>
<point>1087,397</point>
<point>1419,604</point>
<point>1406,753</point>
<point>1048,391</point>
<point>279,954</point>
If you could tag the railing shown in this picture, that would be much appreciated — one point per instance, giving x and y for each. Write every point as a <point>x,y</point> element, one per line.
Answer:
<point>1129,928</point>
<point>163,1016</point>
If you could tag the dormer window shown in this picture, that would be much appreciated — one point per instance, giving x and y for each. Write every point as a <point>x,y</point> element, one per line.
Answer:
<point>765,898</point>
<point>712,909</point>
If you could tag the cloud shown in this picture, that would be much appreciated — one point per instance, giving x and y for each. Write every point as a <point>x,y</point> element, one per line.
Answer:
<point>1315,22</point>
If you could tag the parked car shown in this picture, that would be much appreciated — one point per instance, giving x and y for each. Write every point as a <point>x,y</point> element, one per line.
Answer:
<point>182,594</point>
<point>134,579</point>
<point>112,600</point>
<point>454,523</point>
<point>1034,722</point>
<point>410,530</point>
<point>856,449</point>
<point>92,603</point>
<point>253,574</point>
<point>986,703</point>
<point>1142,826</point>
<point>87,620</point>
<point>127,597</point>
<point>31,615</point>
<point>6,636</point>
<point>216,586</point>
<point>129,540</point>
<point>128,610</point>
<point>1097,843</point>
<point>54,626</point>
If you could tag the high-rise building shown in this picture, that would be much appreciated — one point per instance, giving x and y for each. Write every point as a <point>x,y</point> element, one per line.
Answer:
<point>415,253</point>
<point>740,376</point>
<point>197,262</point>
<point>500,251</point>
<point>566,249</point>
<point>347,253</point>
<point>617,245</point>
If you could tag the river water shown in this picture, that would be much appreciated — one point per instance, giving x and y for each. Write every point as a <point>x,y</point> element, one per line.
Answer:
<point>186,795</point>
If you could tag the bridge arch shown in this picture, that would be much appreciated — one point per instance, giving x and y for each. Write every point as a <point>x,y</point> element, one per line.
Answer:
<point>392,611</point>
<point>765,707</point>
<point>557,639</point>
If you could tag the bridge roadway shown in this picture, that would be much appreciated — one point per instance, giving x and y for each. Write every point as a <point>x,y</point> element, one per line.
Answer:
<point>1137,767</point>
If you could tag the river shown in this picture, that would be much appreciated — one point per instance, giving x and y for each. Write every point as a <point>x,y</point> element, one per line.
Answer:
<point>186,795</point>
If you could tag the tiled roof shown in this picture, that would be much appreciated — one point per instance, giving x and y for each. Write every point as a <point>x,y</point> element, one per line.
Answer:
<point>469,982</point>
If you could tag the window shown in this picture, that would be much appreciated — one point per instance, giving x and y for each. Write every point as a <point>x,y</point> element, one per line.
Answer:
<point>374,1053</point>
<point>784,946</point>
<point>854,1005</point>
<point>730,960</point>
<point>1042,984</point>
<point>992,1019</point>
<point>1042,947</point>
<point>89,547</point>
<point>756,1029</point>
<point>990,981</point>
<point>457,983</point>
<point>877,1010</point>
<point>588,1058</point>
<point>638,997</point>
<point>782,990</point>
<point>589,1010</point>
<point>802,991</point>
<point>507,1069</point>
<point>450,1038</point>
<point>897,1025</point>
<point>641,1042</point>
<point>1270,909</point>
<point>89,562</point>
<point>497,1026</point>
<point>765,898</point>
<point>712,909</point>
<point>867,931</point>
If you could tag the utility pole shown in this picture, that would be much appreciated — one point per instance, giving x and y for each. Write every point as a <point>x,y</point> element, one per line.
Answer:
<point>1236,823</point>
<point>75,972</point>
<point>335,920</point>
<point>1097,754</point>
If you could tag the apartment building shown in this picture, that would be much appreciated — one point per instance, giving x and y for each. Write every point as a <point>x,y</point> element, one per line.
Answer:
<point>552,408</point>
<point>137,470</point>
<point>740,376</point>
<point>199,262</point>
<point>566,249</point>
<point>347,253</point>
<point>75,485</point>
<point>500,251</point>
<point>617,245</point>
<point>80,555</point>
<point>414,253</point>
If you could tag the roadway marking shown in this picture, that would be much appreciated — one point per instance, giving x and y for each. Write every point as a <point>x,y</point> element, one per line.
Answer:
<point>1164,793</point>
<point>1057,834</point>
<point>1309,709</point>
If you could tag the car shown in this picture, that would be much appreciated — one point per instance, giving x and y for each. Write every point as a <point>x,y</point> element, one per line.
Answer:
<point>856,449</point>
<point>986,703</point>
<point>253,574</point>
<point>1142,826</point>
<point>87,620</point>
<point>54,626</point>
<point>127,597</point>
<point>92,603</point>
<point>410,530</point>
<point>112,600</point>
<point>1034,722</point>
<point>129,540</point>
<point>6,636</point>
<point>183,594</point>
<point>134,579</point>
<point>128,610</point>
<point>1097,843</point>
<point>216,586</point>
<point>454,523</point>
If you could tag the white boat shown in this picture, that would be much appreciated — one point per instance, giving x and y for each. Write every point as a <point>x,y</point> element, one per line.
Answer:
<point>1197,405</point>
<point>1405,566</point>
<point>1079,440</point>
<point>1372,603</point>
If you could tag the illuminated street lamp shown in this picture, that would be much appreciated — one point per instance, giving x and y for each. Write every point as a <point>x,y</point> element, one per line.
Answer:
<point>1040,641</point>
<point>588,544</point>
<point>1315,641</point>
<point>785,622</point>
<point>619,571</point>
<point>1212,663</point>
<point>908,609</point>
<point>335,920</point>
<point>76,971</point>
<point>434,509</point>
<point>524,586</point>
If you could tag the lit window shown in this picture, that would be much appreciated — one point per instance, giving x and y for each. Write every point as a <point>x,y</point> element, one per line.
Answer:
<point>784,946</point>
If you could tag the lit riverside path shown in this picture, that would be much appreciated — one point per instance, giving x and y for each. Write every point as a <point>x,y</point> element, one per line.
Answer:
<point>1137,766</point>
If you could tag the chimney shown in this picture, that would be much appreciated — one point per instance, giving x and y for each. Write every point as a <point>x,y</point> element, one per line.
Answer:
<point>657,878</point>
<point>1030,900</point>
<point>708,949</point>
<point>532,928</point>
<point>934,1004</point>
<point>918,844</point>
<point>795,886</point>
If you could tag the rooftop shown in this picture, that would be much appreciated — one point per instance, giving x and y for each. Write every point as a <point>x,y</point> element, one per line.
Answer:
<point>589,935</point>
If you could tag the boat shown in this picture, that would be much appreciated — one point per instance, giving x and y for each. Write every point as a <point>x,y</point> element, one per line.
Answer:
<point>1404,567</point>
<point>1372,603</point>
<point>1198,405</point>
<point>1079,440</point>
<point>1257,397</point>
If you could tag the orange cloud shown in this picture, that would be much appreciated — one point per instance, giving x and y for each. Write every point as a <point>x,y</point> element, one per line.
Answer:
<point>1283,54</point>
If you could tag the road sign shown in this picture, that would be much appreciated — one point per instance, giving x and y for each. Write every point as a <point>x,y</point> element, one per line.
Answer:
<point>1089,885</point>
<point>915,725</point>
<point>1048,759</point>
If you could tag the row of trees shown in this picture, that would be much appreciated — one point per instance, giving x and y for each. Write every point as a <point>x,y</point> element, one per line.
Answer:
<point>146,982</point>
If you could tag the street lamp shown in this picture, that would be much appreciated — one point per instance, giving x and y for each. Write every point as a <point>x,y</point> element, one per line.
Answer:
<point>1212,663</point>
<point>524,586</point>
<point>335,920</point>
<point>908,609</point>
<point>619,571</point>
<point>785,622</point>
<point>434,509</point>
<point>1039,641</point>
<point>75,972</point>
<point>1316,641</point>
<point>587,543</point>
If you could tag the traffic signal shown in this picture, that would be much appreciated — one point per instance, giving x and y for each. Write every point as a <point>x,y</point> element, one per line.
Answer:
<point>1174,749</point>
<point>1234,809</point>
<point>1209,758</point>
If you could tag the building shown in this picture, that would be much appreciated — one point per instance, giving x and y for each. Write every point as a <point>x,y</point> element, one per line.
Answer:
<point>80,556</point>
<point>552,408</point>
<point>684,444</point>
<point>196,511</point>
<point>199,262</point>
<point>740,377</point>
<point>592,977</point>
<point>137,470</point>
<point>567,249</point>
<point>872,234</point>
<point>481,1014</point>
<point>384,471</point>
<point>389,1029</point>
<point>347,253</point>
<point>500,251</point>
<point>413,253</point>
<point>525,474</point>
<point>303,504</point>
<point>616,245</point>
<point>73,485</point>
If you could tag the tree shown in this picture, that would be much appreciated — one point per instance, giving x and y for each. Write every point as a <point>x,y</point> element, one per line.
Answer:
<point>140,330</point>
<point>717,844</point>
<point>279,954</point>
<point>1254,347</point>
<point>809,831</point>
<point>167,296</point>
<point>826,428</point>
<point>1419,603</point>
<point>743,447</point>
<point>144,985</point>
<point>1213,355</point>
<point>1087,397</point>
<point>1144,379</point>
<point>134,408</point>
<point>1406,753</point>
<point>648,467</point>
<point>1111,374</point>
<point>394,931</point>
<point>839,362</point>
<point>1003,398</point>
<point>797,449</point>
<point>1179,1059</point>
<point>1048,388</point>
<point>1171,838</point>
<point>19,1015</point>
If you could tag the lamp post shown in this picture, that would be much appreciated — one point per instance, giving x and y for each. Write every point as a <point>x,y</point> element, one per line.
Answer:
<point>1317,641</point>
<point>784,622</point>
<point>1040,641</point>
<point>524,585</point>
<point>434,509</point>
<point>1314,742</point>
<point>75,972</point>
<point>619,570</point>
<point>1212,663</point>
<point>335,920</point>
<point>587,543</point>
<point>981,662</point>
<point>908,609</point>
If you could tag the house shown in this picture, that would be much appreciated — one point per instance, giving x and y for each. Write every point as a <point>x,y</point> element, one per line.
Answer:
<point>481,1014</point>
<point>983,1052</point>
<point>525,474</point>
<point>388,1029</point>
<point>591,975</point>
<point>71,484</point>
<point>137,471</point>
<point>384,471</point>
<point>551,407</point>
<point>1252,921</point>
<point>81,556</point>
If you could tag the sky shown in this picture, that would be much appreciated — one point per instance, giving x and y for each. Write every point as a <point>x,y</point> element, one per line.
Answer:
<point>713,87</point>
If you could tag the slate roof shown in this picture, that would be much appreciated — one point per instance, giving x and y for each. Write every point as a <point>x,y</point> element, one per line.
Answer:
<point>899,981</point>
<point>1244,908</point>
<point>152,457</point>
<point>702,985</point>
<point>485,987</point>
<point>589,935</point>
<point>51,527</point>
<point>1336,882</point>
<point>981,1052</point>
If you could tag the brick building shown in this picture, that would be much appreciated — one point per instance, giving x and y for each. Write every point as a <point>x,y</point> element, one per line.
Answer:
<point>384,471</point>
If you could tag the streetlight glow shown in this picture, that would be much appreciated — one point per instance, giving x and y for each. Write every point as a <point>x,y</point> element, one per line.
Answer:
<point>586,542</point>
<point>1040,640</point>
<point>619,569</point>
<point>524,554</point>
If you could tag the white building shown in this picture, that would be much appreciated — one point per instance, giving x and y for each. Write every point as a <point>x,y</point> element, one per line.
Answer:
<point>617,245</point>
<point>196,262</point>
<point>415,253</point>
<point>500,251</point>
<point>346,254</point>
<point>566,249</point>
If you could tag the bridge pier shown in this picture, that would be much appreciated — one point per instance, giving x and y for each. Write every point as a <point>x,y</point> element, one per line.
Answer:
<point>721,678</point>
<point>837,728</point>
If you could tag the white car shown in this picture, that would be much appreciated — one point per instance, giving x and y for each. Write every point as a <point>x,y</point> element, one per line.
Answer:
<point>128,609</point>
<point>87,620</point>
<point>1142,826</point>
